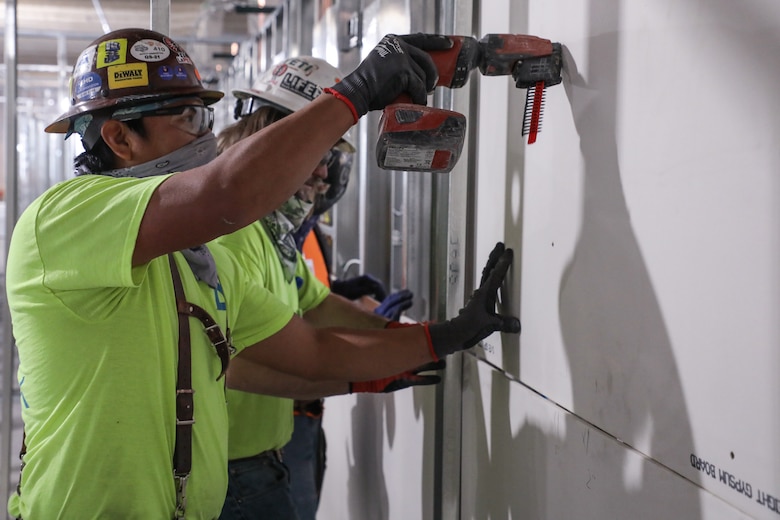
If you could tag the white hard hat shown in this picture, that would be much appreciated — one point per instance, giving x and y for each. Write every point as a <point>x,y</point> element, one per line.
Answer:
<point>291,85</point>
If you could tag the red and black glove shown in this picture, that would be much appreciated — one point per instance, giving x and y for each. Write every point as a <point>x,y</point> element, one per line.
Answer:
<point>400,381</point>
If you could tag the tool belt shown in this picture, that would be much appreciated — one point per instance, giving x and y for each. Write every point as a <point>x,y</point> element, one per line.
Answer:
<point>311,409</point>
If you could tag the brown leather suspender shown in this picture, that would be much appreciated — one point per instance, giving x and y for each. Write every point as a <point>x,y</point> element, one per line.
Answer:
<point>222,345</point>
<point>182,451</point>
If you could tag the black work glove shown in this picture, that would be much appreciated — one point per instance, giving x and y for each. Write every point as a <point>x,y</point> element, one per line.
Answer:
<point>400,381</point>
<point>394,305</point>
<point>363,285</point>
<point>397,65</point>
<point>478,319</point>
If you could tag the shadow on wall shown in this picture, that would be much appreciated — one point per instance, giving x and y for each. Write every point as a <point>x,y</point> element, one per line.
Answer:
<point>565,470</point>
<point>367,487</point>
<point>509,475</point>
<point>624,375</point>
<point>374,422</point>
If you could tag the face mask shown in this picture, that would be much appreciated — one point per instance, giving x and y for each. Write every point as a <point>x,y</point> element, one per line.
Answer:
<point>280,225</point>
<point>199,152</point>
<point>296,211</point>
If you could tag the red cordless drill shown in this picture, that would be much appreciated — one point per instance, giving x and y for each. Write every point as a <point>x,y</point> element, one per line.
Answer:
<point>419,138</point>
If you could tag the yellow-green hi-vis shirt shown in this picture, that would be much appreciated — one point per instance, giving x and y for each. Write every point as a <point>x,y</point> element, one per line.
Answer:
<point>97,342</point>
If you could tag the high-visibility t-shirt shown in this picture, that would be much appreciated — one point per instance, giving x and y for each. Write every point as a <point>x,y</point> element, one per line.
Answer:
<point>98,352</point>
<point>259,422</point>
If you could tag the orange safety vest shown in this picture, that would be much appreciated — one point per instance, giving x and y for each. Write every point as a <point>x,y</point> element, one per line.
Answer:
<point>312,254</point>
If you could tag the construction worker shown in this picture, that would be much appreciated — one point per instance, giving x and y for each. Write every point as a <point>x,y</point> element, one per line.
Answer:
<point>261,425</point>
<point>306,453</point>
<point>125,322</point>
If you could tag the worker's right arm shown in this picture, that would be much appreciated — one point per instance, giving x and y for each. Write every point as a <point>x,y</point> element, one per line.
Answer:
<point>256,175</point>
<point>248,376</point>
<point>341,354</point>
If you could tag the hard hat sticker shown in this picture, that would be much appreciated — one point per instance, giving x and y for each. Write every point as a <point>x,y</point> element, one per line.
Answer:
<point>87,86</point>
<point>165,72</point>
<point>183,59</point>
<point>302,87</point>
<point>112,52</point>
<point>84,63</point>
<point>128,75</point>
<point>303,66</point>
<point>279,70</point>
<point>149,50</point>
<point>172,44</point>
<point>180,72</point>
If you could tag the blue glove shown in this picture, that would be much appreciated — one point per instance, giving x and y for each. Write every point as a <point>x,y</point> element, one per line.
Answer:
<point>395,304</point>
<point>354,288</point>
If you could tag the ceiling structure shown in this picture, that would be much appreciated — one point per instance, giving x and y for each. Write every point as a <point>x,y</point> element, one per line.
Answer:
<point>52,30</point>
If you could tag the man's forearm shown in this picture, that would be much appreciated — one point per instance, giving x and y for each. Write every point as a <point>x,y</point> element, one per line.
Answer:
<point>341,354</point>
<point>337,311</point>
<point>252,377</point>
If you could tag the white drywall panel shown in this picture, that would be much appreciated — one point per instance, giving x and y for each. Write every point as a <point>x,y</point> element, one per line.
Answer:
<point>380,456</point>
<point>645,221</point>
<point>525,457</point>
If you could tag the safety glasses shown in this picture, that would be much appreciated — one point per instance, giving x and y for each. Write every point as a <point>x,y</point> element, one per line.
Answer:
<point>327,159</point>
<point>245,107</point>
<point>339,167</point>
<point>196,120</point>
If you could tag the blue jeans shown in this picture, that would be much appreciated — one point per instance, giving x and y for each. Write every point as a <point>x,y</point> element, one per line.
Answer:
<point>258,488</point>
<point>304,455</point>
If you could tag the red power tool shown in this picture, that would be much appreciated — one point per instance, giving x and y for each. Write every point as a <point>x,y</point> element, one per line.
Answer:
<point>419,138</point>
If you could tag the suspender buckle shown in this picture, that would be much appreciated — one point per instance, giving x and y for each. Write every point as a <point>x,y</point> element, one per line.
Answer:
<point>181,494</point>
<point>184,406</point>
<point>214,329</point>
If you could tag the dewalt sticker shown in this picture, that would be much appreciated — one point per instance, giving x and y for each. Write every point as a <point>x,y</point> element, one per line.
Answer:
<point>112,52</point>
<point>128,75</point>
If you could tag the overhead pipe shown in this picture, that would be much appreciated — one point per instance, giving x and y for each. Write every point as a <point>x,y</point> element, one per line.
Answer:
<point>159,16</point>
<point>101,16</point>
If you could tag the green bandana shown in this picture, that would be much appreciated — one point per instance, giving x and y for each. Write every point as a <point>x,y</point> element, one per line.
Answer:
<point>281,224</point>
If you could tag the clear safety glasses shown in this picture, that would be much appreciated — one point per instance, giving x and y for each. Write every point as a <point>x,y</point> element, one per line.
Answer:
<point>245,107</point>
<point>327,159</point>
<point>196,120</point>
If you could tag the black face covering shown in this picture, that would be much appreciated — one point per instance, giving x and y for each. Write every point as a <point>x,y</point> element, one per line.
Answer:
<point>339,168</point>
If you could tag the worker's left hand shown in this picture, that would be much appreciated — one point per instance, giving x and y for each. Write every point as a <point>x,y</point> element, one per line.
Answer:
<point>400,381</point>
<point>478,319</point>
<point>395,304</point>
<point>363,285</point>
